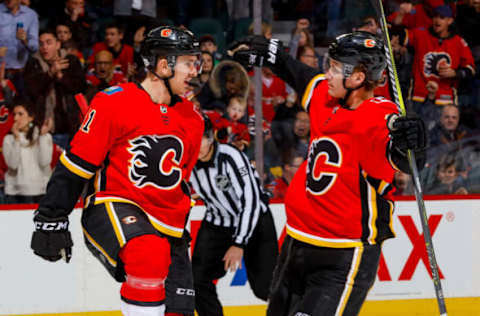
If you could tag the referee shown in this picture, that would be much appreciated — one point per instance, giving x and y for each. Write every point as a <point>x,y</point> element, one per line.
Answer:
<point>237,224</point>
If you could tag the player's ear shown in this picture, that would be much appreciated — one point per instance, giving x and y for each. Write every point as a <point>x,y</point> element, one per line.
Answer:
<point>162,68</point>
<point>358,77</point>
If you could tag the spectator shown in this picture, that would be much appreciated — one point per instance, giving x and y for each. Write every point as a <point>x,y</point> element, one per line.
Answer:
<point>19,34</point>
<point>440,56</point>
<point>207,43</point>
<point>228,79</point>
<point>230,128</point>
<point>28,152</point>
<point>291,161</point>
<point>402,184</point>
<point>207,66</point>
<point>122,53</point>
<point>73,14</point>
<point>7,92</point>
<point>448,130</point>
<point>54,76</point>
<point>413,16</point>
<point>301,133</point>
<point>64,31</point>
<point>307,55</point>
<point>71,48</point>
<point>103,75</point>
<point>300,37</point>
<point>447,181</point>
<point>274,93</point>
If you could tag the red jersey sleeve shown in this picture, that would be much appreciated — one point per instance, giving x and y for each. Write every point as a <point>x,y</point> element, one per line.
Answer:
<point>466,59</point>
<point>375,136</point>
<point>99,129</point>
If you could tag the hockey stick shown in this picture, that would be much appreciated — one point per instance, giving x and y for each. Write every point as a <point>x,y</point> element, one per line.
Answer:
<point>397,94</point>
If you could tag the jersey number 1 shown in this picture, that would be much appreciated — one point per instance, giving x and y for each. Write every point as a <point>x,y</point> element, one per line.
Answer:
<point>86,125</point>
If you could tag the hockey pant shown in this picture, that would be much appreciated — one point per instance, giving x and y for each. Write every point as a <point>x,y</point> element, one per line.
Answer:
<point>319,281</point>
<point>121,236</point>
<point>210,247</point>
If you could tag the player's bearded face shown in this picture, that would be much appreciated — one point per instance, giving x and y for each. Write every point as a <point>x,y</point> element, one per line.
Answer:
<point>186,68</point>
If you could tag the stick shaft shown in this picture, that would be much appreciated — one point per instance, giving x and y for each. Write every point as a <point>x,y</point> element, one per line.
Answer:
<point>397,94</point>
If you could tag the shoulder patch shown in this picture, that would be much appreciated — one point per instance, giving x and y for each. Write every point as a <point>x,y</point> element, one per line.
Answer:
<point>112,90</point>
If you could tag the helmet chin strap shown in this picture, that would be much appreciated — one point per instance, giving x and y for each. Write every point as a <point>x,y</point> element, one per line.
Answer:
<point>166,80</point>
<point>343,101</point>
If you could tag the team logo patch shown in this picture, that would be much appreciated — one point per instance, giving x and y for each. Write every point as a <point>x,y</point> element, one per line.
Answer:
<point>165,32</point>
<point>433,60</point>
<point>112,90</point>
<point>156,161</point>
<point>127,220</point>
<point>369,43</point>
<point>163,109</point>
<point>222,182</point>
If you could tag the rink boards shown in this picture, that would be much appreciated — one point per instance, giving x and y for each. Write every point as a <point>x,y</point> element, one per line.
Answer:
<point>30,285</point>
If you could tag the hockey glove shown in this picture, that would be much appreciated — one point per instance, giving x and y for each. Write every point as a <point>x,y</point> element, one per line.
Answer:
<point>256,50</point>
<point>51,239</point>
<point>407,133</point>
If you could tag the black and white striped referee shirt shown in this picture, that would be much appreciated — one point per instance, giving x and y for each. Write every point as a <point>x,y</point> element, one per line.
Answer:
<point>229,186</point>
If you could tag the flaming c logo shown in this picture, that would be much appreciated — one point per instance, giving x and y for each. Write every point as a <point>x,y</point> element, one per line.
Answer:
<point>165,33</point>
<point>369,43</point>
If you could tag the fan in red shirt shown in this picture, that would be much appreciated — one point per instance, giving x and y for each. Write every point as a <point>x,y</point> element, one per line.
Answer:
<point>338,210</point>
<point>136,160</point>
<point>122,53</point>
<point>274,92</point>
<point>104,75</point>
<point>413,16</point>
<point>440,56</point>
<point>7,92</point>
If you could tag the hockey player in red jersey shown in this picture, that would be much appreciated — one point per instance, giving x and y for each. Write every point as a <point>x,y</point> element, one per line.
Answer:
<point>136,149</point>
<point>338,210</point>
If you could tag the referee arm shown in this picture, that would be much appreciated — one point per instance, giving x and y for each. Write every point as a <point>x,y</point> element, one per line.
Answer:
<point>242,176</point>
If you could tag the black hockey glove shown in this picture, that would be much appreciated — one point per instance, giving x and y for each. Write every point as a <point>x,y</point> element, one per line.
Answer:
<point>51,239</point>
<point>256,50</point>
<point>407,133</point>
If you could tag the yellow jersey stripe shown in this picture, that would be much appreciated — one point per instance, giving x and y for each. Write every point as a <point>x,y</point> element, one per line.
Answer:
<point>307,95</point>
<point>373,214</point>
<point>357,258</point>
<point>390,223</point>
<point>115,223</point>
<point>164,228</point>
<point>74,168</point>
<point>158,225</point>
<point>320,241</point>
<point>381,188</point>
<point>99,248</point>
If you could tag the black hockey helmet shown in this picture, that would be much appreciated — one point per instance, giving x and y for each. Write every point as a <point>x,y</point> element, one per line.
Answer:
<point>168,41</point>
<point>357,48</point>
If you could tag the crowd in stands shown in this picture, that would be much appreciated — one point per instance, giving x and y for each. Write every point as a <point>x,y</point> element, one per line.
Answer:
<point>53,60</point>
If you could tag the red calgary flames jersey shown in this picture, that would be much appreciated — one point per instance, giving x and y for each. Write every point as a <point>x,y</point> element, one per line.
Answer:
<point>336,198</point>
<point>430,53</point>
<point>145,150</point>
